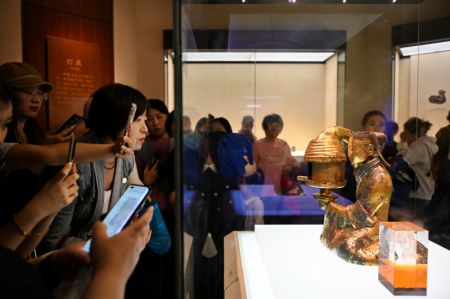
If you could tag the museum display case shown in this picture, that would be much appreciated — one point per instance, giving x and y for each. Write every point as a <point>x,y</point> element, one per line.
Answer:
<point>280,72</point>
<point>287,261</point>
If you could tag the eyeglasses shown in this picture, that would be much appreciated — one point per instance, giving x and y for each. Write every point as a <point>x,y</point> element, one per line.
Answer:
<point>35,91</point>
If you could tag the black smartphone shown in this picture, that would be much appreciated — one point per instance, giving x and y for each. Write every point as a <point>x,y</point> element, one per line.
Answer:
<point>155,158</point>
<point>75,119</point>
<point>71,150</point>
<point>134,201</point>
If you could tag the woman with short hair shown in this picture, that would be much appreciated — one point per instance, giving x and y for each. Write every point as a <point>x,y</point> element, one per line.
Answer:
<point>272,154</point>
<point>102,182</point>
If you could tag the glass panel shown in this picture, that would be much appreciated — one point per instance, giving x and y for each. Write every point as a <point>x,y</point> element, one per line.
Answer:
<point>295,68</point>
<point>429,97</point>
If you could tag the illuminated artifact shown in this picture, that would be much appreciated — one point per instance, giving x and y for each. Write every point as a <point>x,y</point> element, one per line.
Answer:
<point>351,231</point>
<point>403,258</point>
<point>328,163</point>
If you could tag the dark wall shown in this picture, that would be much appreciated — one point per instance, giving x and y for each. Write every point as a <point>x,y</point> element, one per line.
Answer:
<point>423,32</point>
<point>89,21</point>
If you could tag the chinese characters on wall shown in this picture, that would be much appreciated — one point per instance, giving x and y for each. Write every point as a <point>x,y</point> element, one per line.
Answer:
<point>73,69</point>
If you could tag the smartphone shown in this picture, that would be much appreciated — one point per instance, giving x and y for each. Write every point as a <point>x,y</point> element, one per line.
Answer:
<point>75,119</point>
<point>155,158</point>
<point>130,118</point>
<point>134,201</point>
<point>71,150</point>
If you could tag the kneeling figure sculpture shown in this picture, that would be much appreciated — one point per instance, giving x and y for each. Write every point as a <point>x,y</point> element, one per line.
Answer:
<point>351,231</point>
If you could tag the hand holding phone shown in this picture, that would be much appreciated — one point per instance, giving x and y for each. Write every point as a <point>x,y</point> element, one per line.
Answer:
<point>130,118</point>
<point>56,194</point>
<point>131,203</point>
<point>73,121</point>
<point>128,125</point>
<point>71,150</point>
<point>151,173</point>
<point>124,147</point>
<point>120,254</point>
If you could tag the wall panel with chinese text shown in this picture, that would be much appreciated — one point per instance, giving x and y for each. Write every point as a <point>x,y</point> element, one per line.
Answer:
<point>82,21</point>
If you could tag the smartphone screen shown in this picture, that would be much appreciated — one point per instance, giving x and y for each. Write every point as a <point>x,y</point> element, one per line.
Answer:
<point>75,119</point>
<point>131,202</point>
<point>71,150</point>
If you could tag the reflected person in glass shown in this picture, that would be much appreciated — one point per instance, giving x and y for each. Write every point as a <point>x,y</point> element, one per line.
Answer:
<point>272,155</point>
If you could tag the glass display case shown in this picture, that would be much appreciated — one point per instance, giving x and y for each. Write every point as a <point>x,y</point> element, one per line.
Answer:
<point>257,80</point>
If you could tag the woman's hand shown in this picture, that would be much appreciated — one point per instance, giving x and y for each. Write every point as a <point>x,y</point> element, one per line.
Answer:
<point>250,169</point>
<point>63,136</point>
<point>119,254</point>
<point>151,174</point>
<point>124,147</point>
<point>58,192</point>
<point>26,229</point>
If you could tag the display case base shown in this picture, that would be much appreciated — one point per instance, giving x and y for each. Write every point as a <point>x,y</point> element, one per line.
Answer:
<point>402,291</point>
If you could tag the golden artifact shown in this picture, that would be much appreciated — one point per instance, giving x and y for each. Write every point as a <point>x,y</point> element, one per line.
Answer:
<point>351,231</point>
<point>328,163</point>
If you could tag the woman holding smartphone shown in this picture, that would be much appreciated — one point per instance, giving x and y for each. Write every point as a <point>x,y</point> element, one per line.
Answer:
<point>152,159</point>
<point>102,182</point>
<point>113,259</point>
<point>28,92</point>
<point>23,156</point>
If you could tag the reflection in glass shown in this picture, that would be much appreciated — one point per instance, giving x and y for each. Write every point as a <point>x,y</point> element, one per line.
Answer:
<point>223,77</point>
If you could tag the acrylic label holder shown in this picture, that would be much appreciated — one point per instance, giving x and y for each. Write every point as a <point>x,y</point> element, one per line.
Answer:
<point>403,258</point>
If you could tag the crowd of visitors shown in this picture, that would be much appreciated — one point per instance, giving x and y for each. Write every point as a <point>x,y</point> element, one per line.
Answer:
<point>51,207</point>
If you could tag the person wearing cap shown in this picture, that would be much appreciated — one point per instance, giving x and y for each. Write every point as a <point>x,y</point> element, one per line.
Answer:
<point>29,92</point>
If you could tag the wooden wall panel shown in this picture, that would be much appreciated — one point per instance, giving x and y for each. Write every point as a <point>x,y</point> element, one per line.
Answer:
<point>85,21</point>
<point>94,9</point>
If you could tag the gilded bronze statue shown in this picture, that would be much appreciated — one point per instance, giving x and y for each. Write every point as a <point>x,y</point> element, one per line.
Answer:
<point>351,231</point>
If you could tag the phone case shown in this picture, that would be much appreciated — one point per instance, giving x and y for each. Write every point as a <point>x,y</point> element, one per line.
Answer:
<point>74,119</point>
<point>123,211</point>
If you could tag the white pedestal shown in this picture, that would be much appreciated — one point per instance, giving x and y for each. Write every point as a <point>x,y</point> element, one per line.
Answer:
<point>289,261</point>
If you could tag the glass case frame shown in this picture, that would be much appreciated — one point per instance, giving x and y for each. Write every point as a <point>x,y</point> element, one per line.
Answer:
<point>370,70</point>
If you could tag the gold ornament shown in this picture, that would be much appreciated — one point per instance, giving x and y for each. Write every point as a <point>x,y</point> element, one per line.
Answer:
<point>351,231</point>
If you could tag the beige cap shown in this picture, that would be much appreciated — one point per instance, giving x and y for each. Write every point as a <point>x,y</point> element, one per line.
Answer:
<point>22,75</point>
